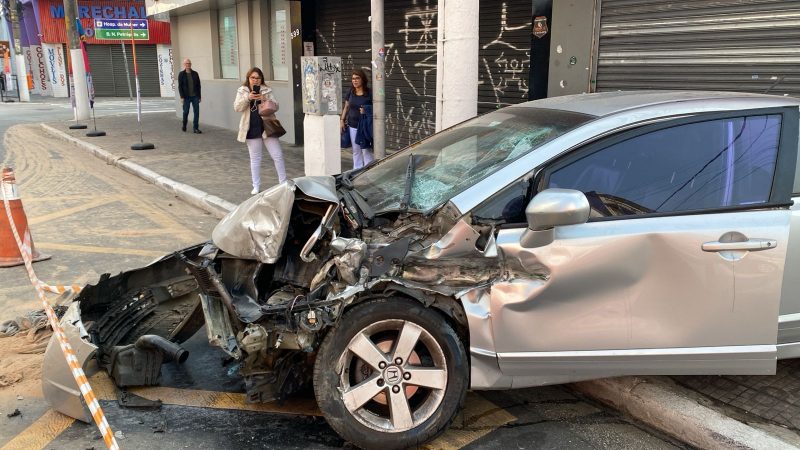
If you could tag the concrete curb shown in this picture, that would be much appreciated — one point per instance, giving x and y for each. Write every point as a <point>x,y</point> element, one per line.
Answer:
<point>671,409</point>
<point>212,204</point>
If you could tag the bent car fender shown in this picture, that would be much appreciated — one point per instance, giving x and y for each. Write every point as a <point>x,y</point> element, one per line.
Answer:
<point>257,228</point>
<point>58,385</point>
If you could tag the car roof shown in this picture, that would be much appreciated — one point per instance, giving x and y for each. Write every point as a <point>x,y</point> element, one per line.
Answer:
<point>608,103</point>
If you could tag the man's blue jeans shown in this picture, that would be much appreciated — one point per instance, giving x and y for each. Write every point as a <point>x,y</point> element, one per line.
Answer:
<point>195,102</point>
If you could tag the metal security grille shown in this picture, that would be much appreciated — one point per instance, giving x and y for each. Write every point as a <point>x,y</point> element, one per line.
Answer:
<point>102,70</point>
<point>146,59</point>
<point>504,55</point>
<point>108,70</point>
<point>730,45</point>
<point>343,30</point>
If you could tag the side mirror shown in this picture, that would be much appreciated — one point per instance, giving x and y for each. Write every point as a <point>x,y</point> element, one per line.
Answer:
<point>549,209</point>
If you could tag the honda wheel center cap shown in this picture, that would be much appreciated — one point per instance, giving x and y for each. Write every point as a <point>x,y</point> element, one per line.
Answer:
<point>393,375</point>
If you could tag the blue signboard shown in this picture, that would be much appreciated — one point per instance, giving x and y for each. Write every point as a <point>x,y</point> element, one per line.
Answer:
<point>121,24</point>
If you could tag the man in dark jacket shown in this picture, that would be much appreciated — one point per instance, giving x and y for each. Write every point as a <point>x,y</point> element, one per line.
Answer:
<point>189,90</point>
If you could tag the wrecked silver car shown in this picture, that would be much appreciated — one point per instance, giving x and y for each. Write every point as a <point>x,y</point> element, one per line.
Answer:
<point>559,240</point>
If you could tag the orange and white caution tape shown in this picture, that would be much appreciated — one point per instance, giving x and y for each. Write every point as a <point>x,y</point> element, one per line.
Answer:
<point>69,354</point>
<point>58,288</point>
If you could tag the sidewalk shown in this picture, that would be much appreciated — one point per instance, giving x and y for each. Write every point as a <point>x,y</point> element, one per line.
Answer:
<point>211,171</point>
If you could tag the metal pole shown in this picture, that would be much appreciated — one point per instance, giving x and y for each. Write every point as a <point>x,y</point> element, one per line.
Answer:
<point>378,81</point>
<point>127,73</point>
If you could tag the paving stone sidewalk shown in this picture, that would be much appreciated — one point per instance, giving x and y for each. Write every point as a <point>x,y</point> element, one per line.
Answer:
<point>216,163</point>
<point>773,399</point>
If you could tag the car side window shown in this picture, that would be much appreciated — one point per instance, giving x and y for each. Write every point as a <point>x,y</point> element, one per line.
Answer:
<point>506,206</point>
<point>695,166</point>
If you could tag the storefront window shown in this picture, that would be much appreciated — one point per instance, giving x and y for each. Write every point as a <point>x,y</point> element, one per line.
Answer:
<point>280,40</point>
<point>228,45</point>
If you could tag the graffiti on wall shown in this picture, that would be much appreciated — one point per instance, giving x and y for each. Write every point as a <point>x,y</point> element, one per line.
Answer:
<point>416,119</point>
<point>411,44</point>
<point>166,70</point>
<point>410,69</point>
<point>507,74</point>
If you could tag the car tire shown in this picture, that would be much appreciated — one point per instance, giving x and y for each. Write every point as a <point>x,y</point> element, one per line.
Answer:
<point>356,374</point>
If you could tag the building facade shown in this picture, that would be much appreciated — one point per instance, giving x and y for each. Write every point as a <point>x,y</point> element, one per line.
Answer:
<point>224,39</point>
<point>745,46</point>
<point>44,46</point>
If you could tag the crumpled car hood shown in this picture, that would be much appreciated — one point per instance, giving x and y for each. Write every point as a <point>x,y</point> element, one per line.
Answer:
<point>257,228</point>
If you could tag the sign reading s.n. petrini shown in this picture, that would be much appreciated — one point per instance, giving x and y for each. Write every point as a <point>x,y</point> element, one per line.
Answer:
<point>135,29</point>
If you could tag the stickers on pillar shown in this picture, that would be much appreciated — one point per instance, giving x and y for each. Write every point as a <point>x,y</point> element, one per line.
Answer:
<point>540,26</point>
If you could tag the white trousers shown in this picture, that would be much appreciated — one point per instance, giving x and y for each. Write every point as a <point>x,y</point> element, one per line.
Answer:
<point>255,147</point>
<point>361,156</point>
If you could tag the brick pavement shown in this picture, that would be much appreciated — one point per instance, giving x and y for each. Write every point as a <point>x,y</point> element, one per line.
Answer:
<point>213,161</point>
<point>774,398</point>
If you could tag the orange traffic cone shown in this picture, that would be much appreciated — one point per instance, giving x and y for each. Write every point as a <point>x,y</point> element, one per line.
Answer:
<point>9,251</point>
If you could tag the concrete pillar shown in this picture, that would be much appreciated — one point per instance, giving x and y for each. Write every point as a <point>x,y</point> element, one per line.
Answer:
<point>322,154</point>
<point>81,93</point>
<point>22,79</point>
<point>457,62</point>
<point>378,81</point>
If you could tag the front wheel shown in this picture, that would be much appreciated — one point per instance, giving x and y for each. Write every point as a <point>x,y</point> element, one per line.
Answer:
<point>392,374</point>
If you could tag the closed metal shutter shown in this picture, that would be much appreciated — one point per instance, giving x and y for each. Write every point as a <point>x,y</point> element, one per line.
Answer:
<point>146,59</point>
<point>729,45</point>
<point>102,70</point>
<point>343,30</point>
<point>504,55</point>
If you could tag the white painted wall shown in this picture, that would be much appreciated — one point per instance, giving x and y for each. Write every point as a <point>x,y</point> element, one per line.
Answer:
<point>196,43</point>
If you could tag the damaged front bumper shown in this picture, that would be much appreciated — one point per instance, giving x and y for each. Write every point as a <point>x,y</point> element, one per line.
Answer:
<point>128,325</point>
<point>58,385</point>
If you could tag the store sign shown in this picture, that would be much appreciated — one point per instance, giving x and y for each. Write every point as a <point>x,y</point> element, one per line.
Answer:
<point>102,12</point>
<point>166,72</point>
<point>56,69</point>
<point>41,83</point>
<point>135,29</point>
<point>27,54</point>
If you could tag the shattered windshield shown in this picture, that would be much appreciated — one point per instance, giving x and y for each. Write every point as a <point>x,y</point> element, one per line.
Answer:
<point>434,170</point>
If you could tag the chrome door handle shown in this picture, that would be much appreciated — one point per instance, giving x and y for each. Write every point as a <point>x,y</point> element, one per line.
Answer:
<point>750,245</point>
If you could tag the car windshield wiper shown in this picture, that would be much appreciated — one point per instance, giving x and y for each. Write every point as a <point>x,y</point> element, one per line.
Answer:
<point>410,169</point>
<point>362,204</point>
<point>347,181</point>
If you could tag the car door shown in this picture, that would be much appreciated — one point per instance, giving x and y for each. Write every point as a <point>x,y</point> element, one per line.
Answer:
<point>678,270</point>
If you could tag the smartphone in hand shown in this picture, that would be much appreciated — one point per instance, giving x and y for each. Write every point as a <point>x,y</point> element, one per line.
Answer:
<point>257,88</point>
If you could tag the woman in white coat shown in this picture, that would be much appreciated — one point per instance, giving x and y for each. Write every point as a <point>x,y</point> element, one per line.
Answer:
<point>251,127</point>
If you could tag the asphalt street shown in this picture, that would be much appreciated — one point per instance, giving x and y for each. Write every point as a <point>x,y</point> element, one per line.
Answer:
<point>47,109</point>
<point>96,219</point>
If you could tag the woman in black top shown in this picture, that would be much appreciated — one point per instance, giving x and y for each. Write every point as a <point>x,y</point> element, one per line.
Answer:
<point>358,96</point>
